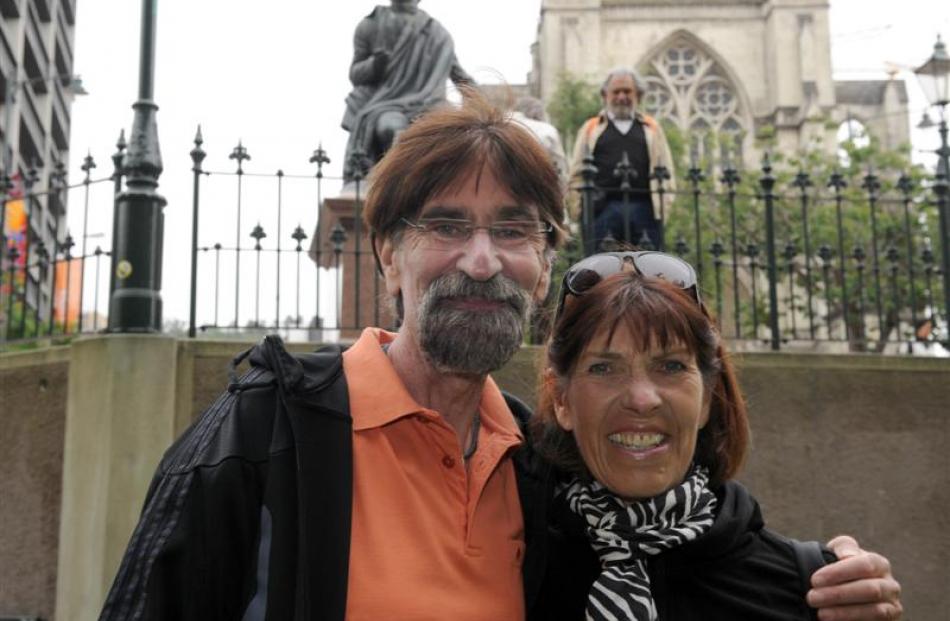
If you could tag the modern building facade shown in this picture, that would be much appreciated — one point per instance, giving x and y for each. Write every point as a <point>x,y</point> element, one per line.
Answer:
<point>38,86</point>
<point>730,67</point>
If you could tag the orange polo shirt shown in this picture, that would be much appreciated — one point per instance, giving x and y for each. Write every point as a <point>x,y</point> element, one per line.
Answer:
<point>428,539</point>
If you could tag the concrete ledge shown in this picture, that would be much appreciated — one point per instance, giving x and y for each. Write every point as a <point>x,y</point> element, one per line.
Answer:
<point>35,357</point>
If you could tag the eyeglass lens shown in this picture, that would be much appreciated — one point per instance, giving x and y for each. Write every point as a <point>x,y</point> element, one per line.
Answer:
<point>667,268</point>
<point>592,270</point>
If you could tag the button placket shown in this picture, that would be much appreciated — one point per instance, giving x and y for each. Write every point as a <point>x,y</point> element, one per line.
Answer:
<point>444,445</point>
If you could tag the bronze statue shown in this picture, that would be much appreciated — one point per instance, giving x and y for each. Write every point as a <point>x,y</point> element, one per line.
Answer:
<point>401,60</point>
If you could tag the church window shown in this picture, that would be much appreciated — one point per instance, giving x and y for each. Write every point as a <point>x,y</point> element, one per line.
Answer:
<point>689,88</point>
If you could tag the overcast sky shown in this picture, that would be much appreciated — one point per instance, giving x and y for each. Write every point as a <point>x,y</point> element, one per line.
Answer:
<point>274,75</point>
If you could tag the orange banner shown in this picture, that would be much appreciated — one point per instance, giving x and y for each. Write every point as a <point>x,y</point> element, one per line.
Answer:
<point>14,232</point>
<point>66,302</point>
<point>14,227</point>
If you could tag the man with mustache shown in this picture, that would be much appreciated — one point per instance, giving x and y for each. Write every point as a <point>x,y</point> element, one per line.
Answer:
<point>389,482</point>
<point>623,133</point>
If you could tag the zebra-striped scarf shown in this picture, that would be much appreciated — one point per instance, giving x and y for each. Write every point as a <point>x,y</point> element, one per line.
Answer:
<point>624,533</point>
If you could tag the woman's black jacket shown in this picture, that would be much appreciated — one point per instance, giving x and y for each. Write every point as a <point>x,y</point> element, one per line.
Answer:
<point>737,570</point>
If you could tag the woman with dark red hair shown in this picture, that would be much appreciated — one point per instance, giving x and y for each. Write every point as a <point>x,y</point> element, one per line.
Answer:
<point>641,415</point>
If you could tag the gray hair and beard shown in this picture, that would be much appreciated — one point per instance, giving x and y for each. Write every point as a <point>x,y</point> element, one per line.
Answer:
<point>621,111</point>
<point>470,342</point>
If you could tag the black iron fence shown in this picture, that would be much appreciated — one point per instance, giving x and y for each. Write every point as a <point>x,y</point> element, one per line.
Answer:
<point>263,259</point>
<point>851,257</point>
<point>784,257</point>
<point>54,282</point>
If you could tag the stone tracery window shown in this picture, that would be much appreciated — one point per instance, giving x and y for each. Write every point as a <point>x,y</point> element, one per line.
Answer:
<point>688,87</point>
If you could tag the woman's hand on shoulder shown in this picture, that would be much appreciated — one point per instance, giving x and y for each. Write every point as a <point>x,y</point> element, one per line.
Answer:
<point>858,587</point>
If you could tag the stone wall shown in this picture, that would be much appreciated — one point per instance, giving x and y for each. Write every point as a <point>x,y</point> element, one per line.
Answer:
<point>858,445</point>
<point>844,443</point>
<point>32,419</point>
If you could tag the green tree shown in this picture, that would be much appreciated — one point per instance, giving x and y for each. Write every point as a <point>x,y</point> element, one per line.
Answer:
<point>900,221</point>
<point>574,101</point>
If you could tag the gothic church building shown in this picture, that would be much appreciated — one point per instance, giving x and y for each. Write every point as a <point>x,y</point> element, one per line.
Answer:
<point>731,67</point>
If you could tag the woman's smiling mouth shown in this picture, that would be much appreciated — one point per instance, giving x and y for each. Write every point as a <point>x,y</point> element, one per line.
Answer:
<point>639,443</point>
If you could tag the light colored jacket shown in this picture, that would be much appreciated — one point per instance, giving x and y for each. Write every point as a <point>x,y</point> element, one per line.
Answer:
<point>658,151</point>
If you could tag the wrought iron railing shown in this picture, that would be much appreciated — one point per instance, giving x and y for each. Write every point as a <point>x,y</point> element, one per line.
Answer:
<point>784,258</point>
<point>787,257</point>
<point>53,281</point>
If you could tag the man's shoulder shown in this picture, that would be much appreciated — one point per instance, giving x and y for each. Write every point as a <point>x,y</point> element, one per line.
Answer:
<point>591,123</point>
<point>242,422</point>
<point>648,121</point>
<point>591,129</point>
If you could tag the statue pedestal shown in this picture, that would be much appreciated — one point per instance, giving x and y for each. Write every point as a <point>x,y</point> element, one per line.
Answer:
<point>363,300</point>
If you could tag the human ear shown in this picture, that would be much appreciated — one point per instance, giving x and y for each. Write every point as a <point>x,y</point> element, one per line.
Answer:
<point>562,412</point>
<point>386,249</point>
<point>544,282</point>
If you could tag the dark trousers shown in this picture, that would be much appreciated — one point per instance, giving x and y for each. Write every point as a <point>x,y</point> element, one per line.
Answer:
<point>631,223</point>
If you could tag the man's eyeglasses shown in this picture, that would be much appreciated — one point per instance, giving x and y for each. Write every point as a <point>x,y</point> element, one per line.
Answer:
<point>507,234</point>
<point>586,273</point>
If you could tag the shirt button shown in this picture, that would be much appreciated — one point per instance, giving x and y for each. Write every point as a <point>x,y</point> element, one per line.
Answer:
<point>448,462</point>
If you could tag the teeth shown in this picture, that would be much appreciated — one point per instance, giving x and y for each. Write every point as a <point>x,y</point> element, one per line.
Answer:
<point>638,441</point>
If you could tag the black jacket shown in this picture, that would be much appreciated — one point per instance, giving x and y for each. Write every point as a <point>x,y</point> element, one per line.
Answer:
<point>248,515</point>
<point>737,570</point>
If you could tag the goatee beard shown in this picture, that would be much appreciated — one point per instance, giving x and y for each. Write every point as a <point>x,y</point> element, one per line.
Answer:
<point>472,342</point>
<point>623,112</point>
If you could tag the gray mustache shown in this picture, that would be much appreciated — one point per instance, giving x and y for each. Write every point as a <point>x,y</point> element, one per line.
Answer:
<point>497,289</point>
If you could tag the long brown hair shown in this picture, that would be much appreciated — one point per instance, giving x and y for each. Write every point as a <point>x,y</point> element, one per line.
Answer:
<point>659,314</point>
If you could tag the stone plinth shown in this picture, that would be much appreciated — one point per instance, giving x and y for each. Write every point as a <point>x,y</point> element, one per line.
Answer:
<point>363,299</point>
<point>120,418</point>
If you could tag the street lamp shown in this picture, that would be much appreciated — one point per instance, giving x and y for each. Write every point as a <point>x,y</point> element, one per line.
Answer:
<point>73,85</point>
<point>934,77</point>
<point>135,300</point>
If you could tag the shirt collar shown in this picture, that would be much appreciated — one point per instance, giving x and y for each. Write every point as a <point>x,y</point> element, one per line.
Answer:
<point>377,394</point>
<point>622,125</point>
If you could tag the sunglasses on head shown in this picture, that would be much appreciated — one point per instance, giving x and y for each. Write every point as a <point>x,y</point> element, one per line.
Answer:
<point>586,273</point>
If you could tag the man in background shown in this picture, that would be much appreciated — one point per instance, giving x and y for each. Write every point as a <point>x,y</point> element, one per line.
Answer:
<point>622,135</point>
